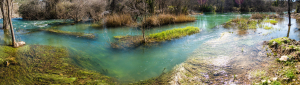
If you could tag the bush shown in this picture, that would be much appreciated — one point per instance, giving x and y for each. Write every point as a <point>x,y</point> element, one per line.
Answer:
<point>32,11</point>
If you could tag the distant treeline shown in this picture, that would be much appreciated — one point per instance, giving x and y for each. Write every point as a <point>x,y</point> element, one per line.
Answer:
<point>97,9</point>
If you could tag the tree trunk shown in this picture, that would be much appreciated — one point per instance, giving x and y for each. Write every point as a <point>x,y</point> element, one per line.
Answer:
<point>5,14</point>
<point>298,7</point>
<point>9,4</point>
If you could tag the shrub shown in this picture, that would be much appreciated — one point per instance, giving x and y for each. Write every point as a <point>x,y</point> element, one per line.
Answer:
<point>32,11</point>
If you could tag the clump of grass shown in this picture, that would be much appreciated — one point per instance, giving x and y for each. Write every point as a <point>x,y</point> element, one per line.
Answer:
<point>116,20</point>
<point>97,25</point>
<point>155,21</point>
<point>174,33</point>
<point>242,23</point>
<point>276,83</point>
<point>290,73</point>
<point>258,16</point>
<point>184,18</point>
<point>271,21</point>
<point>273,16</point>
<point>163,19</point>
<point>279,40</point>
<point>267,27</point>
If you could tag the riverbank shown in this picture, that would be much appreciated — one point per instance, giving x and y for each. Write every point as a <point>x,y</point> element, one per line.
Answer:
<point>38,64</point>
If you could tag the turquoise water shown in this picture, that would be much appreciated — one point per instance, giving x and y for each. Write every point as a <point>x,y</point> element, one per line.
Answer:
<point>132,64</point>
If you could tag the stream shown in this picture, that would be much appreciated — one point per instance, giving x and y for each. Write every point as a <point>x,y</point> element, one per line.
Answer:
<point>214,45</point>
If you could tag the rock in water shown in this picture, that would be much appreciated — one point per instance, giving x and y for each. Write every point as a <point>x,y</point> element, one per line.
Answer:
<point>283,58</point>
<point>18,44</point>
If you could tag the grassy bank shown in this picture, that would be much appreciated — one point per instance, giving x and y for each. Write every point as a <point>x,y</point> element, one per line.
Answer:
<point>284,70</point>
<point>163,19</point>
<point>37,64</point>
<point>135,41</point>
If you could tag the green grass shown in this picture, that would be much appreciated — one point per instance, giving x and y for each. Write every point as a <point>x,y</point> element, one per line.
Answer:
<point>276,83</point>
<point>271,21</point>
<point>279,40</point>
<point>174,33</point>
<point>268,27</point>
<point>242,23</point>
<point>290,73</point>
<point>43,65</point>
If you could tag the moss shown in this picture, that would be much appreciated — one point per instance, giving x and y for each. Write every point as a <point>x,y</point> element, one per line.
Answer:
<point>280,41</point>
<point>271,21</point>
<point>275,83</point>
<point>45,65</point>
<point>267,27</point>
<point>54,78</point>
<point>77,34</point>
<point>96,25</point>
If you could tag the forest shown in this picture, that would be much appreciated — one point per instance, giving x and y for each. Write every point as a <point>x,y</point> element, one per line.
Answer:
<point>150,42</point>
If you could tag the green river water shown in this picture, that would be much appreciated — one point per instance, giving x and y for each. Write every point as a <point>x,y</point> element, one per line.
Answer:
<point>144,62</point>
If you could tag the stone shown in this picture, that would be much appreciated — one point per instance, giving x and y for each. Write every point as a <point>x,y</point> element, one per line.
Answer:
<point>19,44</point>
<point>274,79</point>
<point>283,58</point>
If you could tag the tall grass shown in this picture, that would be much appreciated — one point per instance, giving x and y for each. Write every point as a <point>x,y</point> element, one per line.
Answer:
<point>184,18</point>
<point>258,16</point>
<point>116,20</point>
<point>174,33</point>
<point>163,19</point>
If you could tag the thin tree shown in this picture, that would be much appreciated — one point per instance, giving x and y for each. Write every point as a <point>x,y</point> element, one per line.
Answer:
<point>9,4</point>
<point>289,12</point>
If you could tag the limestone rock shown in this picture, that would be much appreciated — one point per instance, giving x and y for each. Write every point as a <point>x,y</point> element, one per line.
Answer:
<point>283,58</point>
